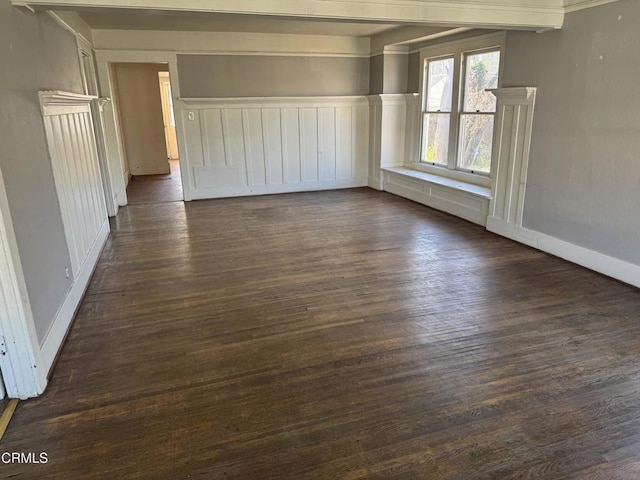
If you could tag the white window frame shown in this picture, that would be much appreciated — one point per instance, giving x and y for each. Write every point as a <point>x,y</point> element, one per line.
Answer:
<point>456,49</point>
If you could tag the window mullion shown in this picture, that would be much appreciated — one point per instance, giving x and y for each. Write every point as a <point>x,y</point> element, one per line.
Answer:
<point>455,113</point>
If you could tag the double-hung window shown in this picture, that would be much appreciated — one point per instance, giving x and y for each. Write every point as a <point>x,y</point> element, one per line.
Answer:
<point>457,111</point>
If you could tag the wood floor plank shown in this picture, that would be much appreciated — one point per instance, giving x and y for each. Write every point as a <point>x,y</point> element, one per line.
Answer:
<point>346,334</point>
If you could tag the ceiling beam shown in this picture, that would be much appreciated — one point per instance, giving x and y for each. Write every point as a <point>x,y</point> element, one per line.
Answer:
<point>575,5</point>
<point>409,34</point>
<point>529,14</point>
<point>245,43</point>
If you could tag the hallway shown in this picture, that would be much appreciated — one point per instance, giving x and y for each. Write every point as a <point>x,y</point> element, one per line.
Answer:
<point>338,334</point>
<point>156,188</point>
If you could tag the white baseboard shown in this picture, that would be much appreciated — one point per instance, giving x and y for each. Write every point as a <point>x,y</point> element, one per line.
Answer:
<point>612,267</point>
<point>209,193</point>
<point>53,341</point>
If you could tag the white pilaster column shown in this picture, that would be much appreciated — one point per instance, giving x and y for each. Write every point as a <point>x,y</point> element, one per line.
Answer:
<point>510,159</point>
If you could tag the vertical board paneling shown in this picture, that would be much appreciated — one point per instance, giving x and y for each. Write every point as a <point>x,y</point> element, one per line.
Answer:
<point>360,142</point>
<point>74,162</point>
<point>101,205</point>
<point>344,142</point>
<point>501,202</point>
<point>258,146</point>
<point>85,173</point>
<point>515,170</point>
<point>254,145</point>
<point>272,135</point>
<point>326,144</point>
<point>193,139</point>
<point>73,152</point>
<point>510,157</point>
<point>86,180</point>
<point>412,131</point>
<point>375,144</point>
<point>394,121</point>
<point>54,132</point>
<point>309,144</point>
<point>213,132</point>
<point>67,161</point>
<point>233,137</point>
<point>291,145</point>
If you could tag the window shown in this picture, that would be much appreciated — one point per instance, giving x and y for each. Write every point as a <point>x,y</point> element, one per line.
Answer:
<point>457,111</point>
<point>437,116</point>
<point>478,109</point>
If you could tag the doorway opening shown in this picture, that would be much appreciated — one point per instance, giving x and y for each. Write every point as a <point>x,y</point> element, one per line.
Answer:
<point>147,129</point>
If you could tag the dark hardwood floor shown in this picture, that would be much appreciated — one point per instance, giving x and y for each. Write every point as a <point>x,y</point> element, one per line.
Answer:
<point>156,188</point>
<point>336,335</point>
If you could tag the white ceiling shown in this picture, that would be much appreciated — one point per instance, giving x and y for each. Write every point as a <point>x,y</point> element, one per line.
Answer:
<point>121,19</point>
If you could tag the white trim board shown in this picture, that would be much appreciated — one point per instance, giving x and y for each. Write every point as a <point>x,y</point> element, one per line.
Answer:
<point>610,266</point>
<point>54,339</point>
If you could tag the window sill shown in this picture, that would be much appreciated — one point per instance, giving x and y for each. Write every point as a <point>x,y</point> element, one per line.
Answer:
<point>454,175</point>
<point>483,192</point>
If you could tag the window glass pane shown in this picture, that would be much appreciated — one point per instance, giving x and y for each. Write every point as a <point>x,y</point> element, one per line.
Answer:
<point>439,85</point>
<point>476,138</point>
<point>481,72</point>
<point>435,135</point>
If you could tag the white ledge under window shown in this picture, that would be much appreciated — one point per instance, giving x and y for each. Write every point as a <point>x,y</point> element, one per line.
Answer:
<point>478,190</point>
<point>457,197</point>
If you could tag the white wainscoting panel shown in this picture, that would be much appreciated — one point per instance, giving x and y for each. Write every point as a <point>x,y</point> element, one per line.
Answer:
<point>510,159</point>
<point>394,122</point>
<point>413,129</point>
<point>76,171</point>
<point>470,203</point>
<point>254,146</point>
